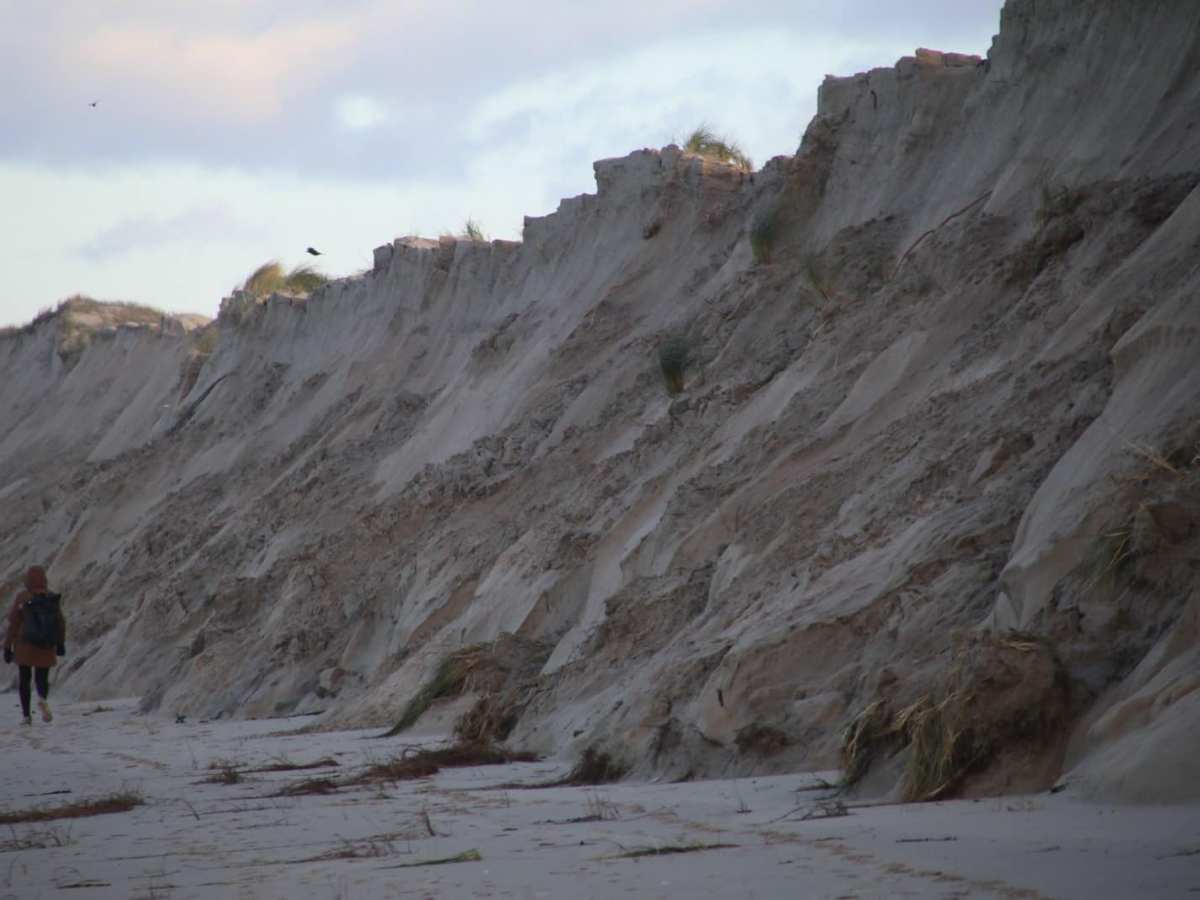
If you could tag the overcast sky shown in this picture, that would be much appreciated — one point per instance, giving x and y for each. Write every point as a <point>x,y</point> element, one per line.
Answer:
<point>229,132</point>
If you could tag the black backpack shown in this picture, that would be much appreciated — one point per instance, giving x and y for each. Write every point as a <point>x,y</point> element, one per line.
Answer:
<point>42,614</point>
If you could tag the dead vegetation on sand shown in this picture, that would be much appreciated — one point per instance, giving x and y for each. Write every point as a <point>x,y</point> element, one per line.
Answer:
<point>308,787</point>
<point>670,850</point>
<point>37,839</point>
<point>674,358</point>
<point>450,679</point>
<point>704,142</point>
<point>1154,518</point>
<point>282,764</point>
<point>117,802</point>
<point>465,856</point>
<point>410,765</point>
<point>503,672</point>
<point>1001,691</point>
<point>272,278</point>
<point>223,775</point>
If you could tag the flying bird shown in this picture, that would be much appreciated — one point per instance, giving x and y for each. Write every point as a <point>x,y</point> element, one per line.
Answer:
<point>313,252</point>
<point>94,104</point>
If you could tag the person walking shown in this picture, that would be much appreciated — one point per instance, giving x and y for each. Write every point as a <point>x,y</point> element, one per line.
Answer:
<point>36,637</point>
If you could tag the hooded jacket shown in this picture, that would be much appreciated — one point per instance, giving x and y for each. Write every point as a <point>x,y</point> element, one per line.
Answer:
<point>26,654</point>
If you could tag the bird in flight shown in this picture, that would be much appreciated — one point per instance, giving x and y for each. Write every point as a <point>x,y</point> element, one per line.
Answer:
<point>311,252</point>
<point>94,104</point>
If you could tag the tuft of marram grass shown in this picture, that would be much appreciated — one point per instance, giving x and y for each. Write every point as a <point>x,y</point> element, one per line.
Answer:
<point>472,231</point>
<point>304,280</point>
<point>674,357</point>
<point>449,679</point>
<point>764,231</point>
<point>703,141</point>
<point>264,280</point>
<point>862,739</point>
<point>270,278</point>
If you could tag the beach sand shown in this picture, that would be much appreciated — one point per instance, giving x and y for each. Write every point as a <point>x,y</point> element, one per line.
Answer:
<point>745,838</point>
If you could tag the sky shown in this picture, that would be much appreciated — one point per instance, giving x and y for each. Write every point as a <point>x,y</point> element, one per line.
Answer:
<point>226,133</point>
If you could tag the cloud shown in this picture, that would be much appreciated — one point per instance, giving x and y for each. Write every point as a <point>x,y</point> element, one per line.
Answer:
<point>758,86</point>
<point>221,76</point>
<point>358,112</point>
<point>186,234</point>
<point>342,124</point>
<point>192,226</point>
<point>237,83</point>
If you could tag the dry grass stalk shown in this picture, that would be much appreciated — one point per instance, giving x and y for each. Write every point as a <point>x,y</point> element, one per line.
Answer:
<point>593,767</point>
<point>284,765</point>
<point>465,856</point>
<point>224,775</point>
<point>862,739</point>
<point>452,677</point>
<point>39,839</point>
<point>940,746</point>
<point>307,787</point>
<point>1001,690</point>
<point>671,849</point>
<point>120,801</point>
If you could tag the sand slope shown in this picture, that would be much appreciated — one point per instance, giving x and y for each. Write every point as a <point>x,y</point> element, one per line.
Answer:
<point>942,442</point>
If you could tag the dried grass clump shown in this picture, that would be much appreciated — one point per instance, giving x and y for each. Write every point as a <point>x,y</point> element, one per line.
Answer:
<point>465,856</point>
<point>671,850</point>
<point>271,278</point>
<point>453,676</point>
<point>472,231</point>
<point>703,141</point>
<point>202,342</point>
<point>80,318</point>
<point>764,232</point>
<point>1154,518</point>
<point>593,767</point>
<point>492,718</point>
<point>365,848</point>
<point>285,765</point>
<point>821,278</point>
<point>38,839</point>
<point>674,357</point>
<point>1000,692</point>
<point>504,671</point>
<point>119,801</point>
<point>506,684</point>
<point>871,731</point>
<point>308,787</point>
<point>224,775</point>
<point>761,740</point>
<point>413,764</point>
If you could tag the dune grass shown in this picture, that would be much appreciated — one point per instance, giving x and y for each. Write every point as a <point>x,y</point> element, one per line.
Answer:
<point>703,141</point>
<point>271,278</point>
<point>449,680</point>
<point>764,232</point>
<point>674,357</point>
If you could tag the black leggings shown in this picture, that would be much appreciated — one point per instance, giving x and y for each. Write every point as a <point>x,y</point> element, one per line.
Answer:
<point>41,676</point>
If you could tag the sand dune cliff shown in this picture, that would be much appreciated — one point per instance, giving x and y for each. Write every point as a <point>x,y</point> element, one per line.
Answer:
<point>935,468</point>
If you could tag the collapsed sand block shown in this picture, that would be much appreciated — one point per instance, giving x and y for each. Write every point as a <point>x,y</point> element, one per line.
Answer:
<point>500,672</point>
<point>1001,692</point>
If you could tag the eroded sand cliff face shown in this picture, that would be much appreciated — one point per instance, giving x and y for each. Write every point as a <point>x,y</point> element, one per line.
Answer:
<point>940,453</point>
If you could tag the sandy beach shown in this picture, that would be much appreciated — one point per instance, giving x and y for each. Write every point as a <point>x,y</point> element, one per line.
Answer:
<point>474,832</point>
